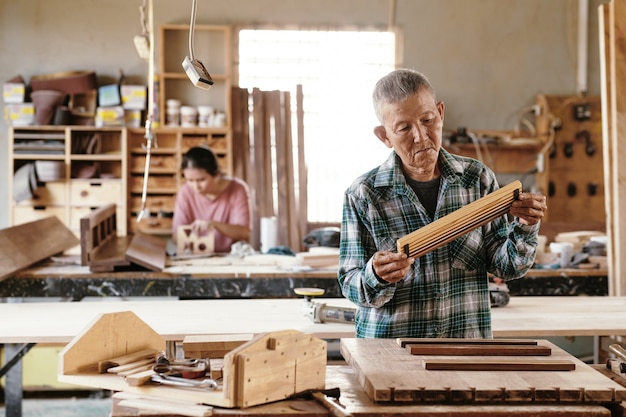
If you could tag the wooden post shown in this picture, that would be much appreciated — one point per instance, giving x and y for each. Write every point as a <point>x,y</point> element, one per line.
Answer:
<point>611,20</point>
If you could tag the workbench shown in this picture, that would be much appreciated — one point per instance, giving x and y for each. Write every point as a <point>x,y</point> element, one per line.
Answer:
<point>240,278</point>
<point>60,322</point>
<point>218,277</point>
<point>357,403</point>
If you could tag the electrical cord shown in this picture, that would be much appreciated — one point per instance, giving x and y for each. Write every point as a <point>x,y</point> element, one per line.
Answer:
<point>192,25</point>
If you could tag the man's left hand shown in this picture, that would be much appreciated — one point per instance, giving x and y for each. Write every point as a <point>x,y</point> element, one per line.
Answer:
<point>529,208</point>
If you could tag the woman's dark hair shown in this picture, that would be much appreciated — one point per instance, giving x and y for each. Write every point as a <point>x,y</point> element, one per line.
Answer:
<point>201,157</point>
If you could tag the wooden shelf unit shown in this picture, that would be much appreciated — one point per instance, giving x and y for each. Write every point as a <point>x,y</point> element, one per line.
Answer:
<point>213,47</point>
<point>93,172</point>
<point>165,177</point>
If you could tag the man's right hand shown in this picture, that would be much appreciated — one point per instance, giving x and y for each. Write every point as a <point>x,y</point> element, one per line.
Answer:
<point>391,266</point>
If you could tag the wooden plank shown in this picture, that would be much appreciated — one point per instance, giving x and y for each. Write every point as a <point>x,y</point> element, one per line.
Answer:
<point>26,244</point>
<point>477,350</point>
<point>147,251</point>
<point>613,73</point>
<point>388,373</point>
<point>403,341</point>
<point>498,365</point>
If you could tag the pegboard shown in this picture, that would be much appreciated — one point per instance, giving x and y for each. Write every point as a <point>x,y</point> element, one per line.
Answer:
<point>574,161</point>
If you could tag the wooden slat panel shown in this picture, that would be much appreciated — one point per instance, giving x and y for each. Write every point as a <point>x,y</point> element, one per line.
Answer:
<point>389,373</point>
<point>459,222</point>
<point>29,243</point>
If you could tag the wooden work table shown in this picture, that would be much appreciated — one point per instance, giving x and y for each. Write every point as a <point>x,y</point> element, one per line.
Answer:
<point>356,403</point>
<point>60,322</point>
<point>54,322</point>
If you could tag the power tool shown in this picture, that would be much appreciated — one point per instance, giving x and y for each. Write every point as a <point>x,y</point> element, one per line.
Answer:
<point>324,313</point>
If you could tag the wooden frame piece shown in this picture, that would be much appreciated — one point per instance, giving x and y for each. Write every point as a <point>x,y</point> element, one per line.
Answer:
<point>104,251</point>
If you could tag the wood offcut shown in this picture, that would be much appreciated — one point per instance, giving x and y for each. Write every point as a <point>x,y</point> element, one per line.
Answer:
<point>26,244</point>
<point>460,222</point>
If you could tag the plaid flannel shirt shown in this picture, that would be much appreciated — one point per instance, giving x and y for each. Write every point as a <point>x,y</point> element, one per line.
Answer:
<point>446,292</point>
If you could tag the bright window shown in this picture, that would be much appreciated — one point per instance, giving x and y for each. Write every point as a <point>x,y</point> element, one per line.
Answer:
<point>337,71</point>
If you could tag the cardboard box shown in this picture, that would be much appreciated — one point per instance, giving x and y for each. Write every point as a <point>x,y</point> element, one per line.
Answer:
<point>132,118</point>
<point>13,92</point>
<point>109,116</point>
<point>109,95</point>
<point>20,114</point>
<point>134,97</point>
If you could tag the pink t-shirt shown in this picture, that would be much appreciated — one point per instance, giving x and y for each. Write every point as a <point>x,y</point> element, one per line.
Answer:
<point>231,206</point>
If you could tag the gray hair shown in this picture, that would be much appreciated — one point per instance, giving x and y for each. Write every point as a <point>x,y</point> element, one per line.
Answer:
<point>397,86</point>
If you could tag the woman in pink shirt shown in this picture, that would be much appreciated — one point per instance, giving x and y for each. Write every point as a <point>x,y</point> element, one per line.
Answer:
<point>210,200</point>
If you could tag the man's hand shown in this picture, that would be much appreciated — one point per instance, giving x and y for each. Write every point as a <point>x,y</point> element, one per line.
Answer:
<point>391,266</point>
<point>529,208</point>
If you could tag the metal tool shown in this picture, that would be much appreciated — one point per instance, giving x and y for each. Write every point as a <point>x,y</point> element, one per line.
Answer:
<point>187,369</point>
<point>499,294</point>
<point>329,398</point>
<point>324,313</point>
<point>207,383</point>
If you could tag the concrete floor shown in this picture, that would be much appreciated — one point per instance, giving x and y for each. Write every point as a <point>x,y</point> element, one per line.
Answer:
<point>63,407</point>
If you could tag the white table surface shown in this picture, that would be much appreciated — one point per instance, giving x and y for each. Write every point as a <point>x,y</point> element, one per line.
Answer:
<point>60,322</point>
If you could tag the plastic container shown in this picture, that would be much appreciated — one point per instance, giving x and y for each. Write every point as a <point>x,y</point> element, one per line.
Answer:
<point>205,116</point>
<point>188,116</point>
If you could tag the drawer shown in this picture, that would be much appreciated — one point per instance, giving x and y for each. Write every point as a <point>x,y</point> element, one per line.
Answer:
<point>95,192</point>
<point>155,204</point>
<point>156,183</point>
<point>48,194</point>
<point>25,214</point>
<point>161,162</point>
<point>76,213</point>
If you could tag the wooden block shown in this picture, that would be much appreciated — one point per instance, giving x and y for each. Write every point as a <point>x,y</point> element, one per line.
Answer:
<point>216,368</point>
<point>478,350</point>
<point>24,245</point>
<point>188,242</point>
<point>497,365</point>
<point>139,378</point>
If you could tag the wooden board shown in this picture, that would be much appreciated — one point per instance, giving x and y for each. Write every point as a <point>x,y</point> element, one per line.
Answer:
<point>23,245</point>
<point>147,251</point>
<point>443,349</point>
<point>388,373</point>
